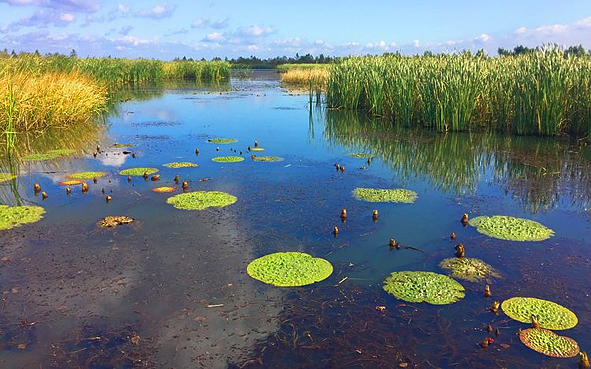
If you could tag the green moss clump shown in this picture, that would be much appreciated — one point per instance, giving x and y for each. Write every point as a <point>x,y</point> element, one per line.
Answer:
<point>389,195</point>
<point>510,228</point>
<point>138,171</point>
<point>359,155</point>
<point>15,216</point>
<point>53,154</point>
<point>549,314</point>
<point>267,158</point>
<point>469,269</point>
<point>289,269</point>
<point>228,159</point>
<point>86,175</point>
<point>183,164</point>
<point>222,140</point>
<point>6,177</point>
<point>433,288</point>
<point>200,200</point>
<point>549,343</point>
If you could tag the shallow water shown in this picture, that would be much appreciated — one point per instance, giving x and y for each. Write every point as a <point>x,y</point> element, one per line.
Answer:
<point>78,296</point>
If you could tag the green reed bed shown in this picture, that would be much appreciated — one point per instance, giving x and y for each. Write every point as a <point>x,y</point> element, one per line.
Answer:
<point>543,93</point>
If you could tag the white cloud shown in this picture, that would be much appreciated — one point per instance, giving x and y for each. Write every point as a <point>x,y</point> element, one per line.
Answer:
<point>122,8</point>
<point>214,37</point>
<point>67,17</point>
<point>256,31</point>
<point>483,38</point>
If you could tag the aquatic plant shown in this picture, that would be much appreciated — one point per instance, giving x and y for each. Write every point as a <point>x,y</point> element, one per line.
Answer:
<point>53,154</point>
<point>71,182</point>
<point>385,195</point>
<point>227,159</point>
<point>267,158</point>
<point>359,155</point>
<point>257,149</point>
<point>15,216</point>
<point>6,177</point>
<point>86,175</point>
<point>200,200</point>
<point>122,145</point>
<point>164,189</point>
<point>433,288</point>
<point>222,140</point>
<point>184,164</point>
<point>469,269</point>
<point>138,171</point>
<point>510,228</point>
<point>549,314</point>
<point>289,269</point>
<point>549,343</point>
<point>112,221</point>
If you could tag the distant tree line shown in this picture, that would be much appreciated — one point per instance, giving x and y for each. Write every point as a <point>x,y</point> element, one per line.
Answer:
<point>520,50</point>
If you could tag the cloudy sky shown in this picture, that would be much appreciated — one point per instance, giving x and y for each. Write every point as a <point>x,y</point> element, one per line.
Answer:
<point>231,28</point>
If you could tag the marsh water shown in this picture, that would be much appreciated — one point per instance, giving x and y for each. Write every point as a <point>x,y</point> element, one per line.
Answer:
<point>171,289</point>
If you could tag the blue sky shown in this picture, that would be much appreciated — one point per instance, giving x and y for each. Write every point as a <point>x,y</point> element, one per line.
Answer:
<point>231,28</point>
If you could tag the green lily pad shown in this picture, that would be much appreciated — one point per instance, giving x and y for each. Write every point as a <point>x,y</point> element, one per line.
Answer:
<point>549,314</point>
<point>222,140</point>
<point>289,269</point>
<point>53,154</point>
<point>469,269</point>
<point>228,159</point>
<point>200,200</point>
<point>138,171</point>
<point>510,228</point>
<point>6,177</point>
<point>385,195</point>
<point>433,288</point>
<point>359,155</point>
<point>183,164</point>
<point>15,216</point>
<point>86,175</point>
<point>549,343</point>
<point>267,158</point>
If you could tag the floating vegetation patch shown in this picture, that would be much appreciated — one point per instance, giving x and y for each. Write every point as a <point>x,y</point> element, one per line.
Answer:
<point>359,155</point>
<point>222,140</point>
<point>71,182</point>
<point>267,158</point>
<point>53,154</point>
<point>433,288</point>
<point>228,159</point>
<point>15,216</point>
<point>86,175</point>
<point>257,149</point>
<point>385,195</point>
<point>122,145</point>
<point>549,343</point>
<point>200,200</point>
<point>469,269</point>
<point>164,189</point>
<point>112,221</point>
<point>549,314</point>
<point>138,171</point>
<point>289,269</point>
<point>510,228</point>
<point>6,177</point>
<point>184,164</point>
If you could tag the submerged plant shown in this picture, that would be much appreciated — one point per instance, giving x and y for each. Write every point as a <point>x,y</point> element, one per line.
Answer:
<point>267,158</point>
<point>363,155</point>
<point>183,164</point>
<point>200,200</point>
<point>6,177</point>
<point>122,145</point>
<point>86,175</point>
<point>289,269</point>
<point>549,343</point>
<point>112,221</point>
<point>469,269</point>
<point>222,140</point>
<point>228,159</point>
<point>138,171</point>
<point>15,216</point>
<point>164,189</point>
<point>510,228</point>
<point>433,288</point>
<point>53,154</point>
<point>549,314</point>
<point>385,195</point>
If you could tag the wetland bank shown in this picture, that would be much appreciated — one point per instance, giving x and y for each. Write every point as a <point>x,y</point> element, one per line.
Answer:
<point>172,288</point>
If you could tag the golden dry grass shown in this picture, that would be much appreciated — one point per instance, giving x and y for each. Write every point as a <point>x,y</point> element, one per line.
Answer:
<point>317,76</point>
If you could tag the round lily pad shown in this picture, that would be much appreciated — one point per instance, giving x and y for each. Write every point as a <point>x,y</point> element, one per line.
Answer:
<point>510,228</point>
<point>257,149</point>
<point>15,216</point>
<point>53,154</point>
<point>469,269</point>
<point>138,171</point>
<point>549,314</point>
<point>71,182</point>
<point>289,269</point>
<point>6,177</point>
<point>183,164</point>
<point>267,158</point>
<point>228,159</point>
<point>164,189</point>
<point>433,288</point>
<point>86,175</point>
<point>222,140</point>
<point>385,195</point>
<point>200,200</point>
<point>549,343</point>
<point>359,155</point>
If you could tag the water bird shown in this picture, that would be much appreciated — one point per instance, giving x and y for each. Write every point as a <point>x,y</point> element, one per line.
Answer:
<point>460,251</point>
<point>155,177</point>
<point>37,188</point>
<point>185,185</point>
<point>452,236</point>
<point>344,214</point>
<point>84,187</point>
<point>108,198</point>
<point>464,219</point>
<point>487,292</point>
<point>44,195</point>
